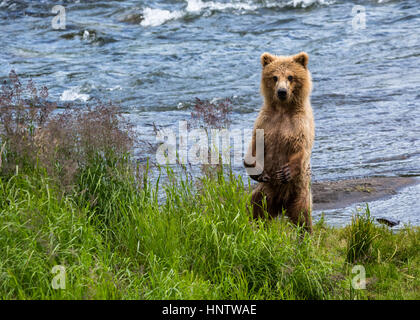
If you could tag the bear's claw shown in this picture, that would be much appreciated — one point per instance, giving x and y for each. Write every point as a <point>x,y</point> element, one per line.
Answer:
<point>284,174</point>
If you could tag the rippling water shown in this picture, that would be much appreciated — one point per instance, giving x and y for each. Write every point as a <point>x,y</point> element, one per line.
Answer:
<point>155,57</point>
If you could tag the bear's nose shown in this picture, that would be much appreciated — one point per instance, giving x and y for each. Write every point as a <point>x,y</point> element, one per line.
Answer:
<point>282,93</point>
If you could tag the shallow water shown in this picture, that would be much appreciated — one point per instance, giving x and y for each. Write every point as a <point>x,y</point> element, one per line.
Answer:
<point>155,57</point>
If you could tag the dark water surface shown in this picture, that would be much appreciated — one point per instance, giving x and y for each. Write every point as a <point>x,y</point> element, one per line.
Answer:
<point>155,57</point>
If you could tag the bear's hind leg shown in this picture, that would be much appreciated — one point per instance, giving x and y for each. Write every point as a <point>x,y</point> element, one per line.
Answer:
<point>299,210</point>
<point>257,202</point>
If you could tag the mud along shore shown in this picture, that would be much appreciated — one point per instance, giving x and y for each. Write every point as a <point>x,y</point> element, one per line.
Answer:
<point>343,193</point>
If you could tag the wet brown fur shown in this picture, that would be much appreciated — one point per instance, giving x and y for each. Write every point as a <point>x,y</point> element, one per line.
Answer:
<point>288,138</point>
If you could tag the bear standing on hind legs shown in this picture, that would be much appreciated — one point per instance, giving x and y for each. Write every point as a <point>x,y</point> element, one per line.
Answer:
<point>287,120</point>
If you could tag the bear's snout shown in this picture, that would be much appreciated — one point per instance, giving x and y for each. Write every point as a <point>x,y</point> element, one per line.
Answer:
<point>282,93</point>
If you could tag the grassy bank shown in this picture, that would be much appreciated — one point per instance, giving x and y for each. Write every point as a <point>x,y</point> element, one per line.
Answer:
<point>121,243</point>
<point>71,195</point>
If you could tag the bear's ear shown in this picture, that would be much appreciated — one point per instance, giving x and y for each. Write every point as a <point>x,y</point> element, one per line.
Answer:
<point>302,58</point>
<point>267,58</point>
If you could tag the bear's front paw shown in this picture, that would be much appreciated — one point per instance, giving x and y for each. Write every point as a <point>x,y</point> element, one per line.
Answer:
<point>284,174</point>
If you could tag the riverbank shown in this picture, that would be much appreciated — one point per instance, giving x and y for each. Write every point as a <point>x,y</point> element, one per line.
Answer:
<point>116,240</point>
<point>343,193</point>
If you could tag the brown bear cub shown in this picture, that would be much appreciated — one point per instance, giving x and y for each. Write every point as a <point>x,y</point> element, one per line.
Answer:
<point>287,120</point>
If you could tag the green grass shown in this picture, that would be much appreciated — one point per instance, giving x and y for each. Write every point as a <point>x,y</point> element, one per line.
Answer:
<point>361,234</point>
<point>182,239</point>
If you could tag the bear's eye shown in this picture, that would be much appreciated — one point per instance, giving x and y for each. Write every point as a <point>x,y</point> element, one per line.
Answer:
<point>290,78</point>
<point>275,79</point>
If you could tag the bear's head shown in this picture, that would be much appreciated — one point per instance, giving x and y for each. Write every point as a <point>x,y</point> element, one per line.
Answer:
<point>285,81</point>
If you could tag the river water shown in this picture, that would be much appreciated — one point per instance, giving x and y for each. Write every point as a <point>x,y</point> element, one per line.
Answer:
<point>155,57</point>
